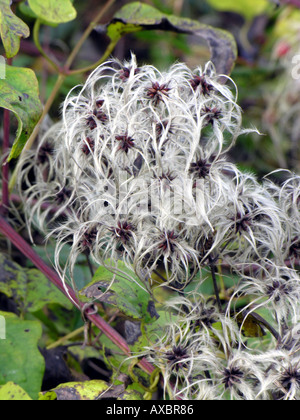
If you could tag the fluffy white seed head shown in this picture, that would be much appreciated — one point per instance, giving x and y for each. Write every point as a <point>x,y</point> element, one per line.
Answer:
<point>136,170</point>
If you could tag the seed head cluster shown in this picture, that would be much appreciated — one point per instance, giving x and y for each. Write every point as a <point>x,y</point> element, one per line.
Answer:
<point>136,170</point>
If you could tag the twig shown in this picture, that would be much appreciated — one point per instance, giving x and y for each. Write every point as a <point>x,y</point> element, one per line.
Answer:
<point>213,275</point>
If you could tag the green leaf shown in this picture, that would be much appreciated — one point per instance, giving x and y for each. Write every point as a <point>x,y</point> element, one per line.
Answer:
<point>247,8</point>
<point>19,93</point>
<point>121,291</point>
<point>53,11</point>
<point>137,16</point>
<point>13,392</point>
<point>21,361</point>
<point>80,391</point>
<point>29,288</point>
<point>12,29</point>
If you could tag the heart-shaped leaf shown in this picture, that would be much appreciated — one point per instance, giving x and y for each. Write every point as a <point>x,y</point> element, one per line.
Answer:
<point>12,29</point>
<point>53,11</point>
<point>19,93</point>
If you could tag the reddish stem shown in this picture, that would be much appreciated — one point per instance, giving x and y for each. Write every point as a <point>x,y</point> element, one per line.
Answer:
<point>26,250</point>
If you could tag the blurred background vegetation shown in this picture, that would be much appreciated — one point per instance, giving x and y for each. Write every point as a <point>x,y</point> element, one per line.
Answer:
<point>267,33</point>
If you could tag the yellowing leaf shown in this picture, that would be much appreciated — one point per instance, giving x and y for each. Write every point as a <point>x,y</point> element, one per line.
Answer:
<point>80,391</point>
<point>13,392</point>
<point>12,29</point>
